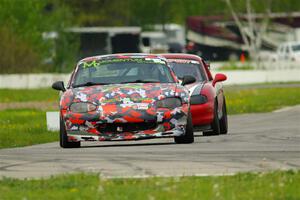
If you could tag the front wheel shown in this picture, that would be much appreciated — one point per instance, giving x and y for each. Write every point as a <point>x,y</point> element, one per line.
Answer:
<point>188,137</point>
<point>63,138</point>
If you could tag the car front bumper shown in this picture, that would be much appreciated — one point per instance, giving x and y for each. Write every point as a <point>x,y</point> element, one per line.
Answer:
<point>129,125</point>
<point>202,114</point>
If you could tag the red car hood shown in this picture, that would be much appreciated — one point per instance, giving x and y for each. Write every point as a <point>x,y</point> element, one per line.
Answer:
<point>195,88</point>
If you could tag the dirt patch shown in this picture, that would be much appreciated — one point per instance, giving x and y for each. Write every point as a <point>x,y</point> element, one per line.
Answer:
<point>39,105</point>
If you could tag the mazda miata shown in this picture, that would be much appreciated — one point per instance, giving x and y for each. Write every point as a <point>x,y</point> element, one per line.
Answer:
<point>124,97</point>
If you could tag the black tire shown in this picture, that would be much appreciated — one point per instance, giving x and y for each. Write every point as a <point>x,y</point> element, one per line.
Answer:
<point>215,125</point>
<point>63,138</point>
<point>224,121</point>
<point>188,137</point>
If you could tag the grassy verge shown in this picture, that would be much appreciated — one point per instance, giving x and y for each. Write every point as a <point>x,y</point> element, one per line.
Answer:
<point>236,66</point>
<point>23,95</point>
<point>275,185</point>
<point>23,128</point>
<point>261,99</point>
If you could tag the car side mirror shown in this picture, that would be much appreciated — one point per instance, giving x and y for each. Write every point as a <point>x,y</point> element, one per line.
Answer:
<point>59,85</point>
<point>188,80</point>
<point>218,78</point>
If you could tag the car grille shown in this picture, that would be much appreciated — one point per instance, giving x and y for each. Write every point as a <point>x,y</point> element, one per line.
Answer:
<point>126,127</point>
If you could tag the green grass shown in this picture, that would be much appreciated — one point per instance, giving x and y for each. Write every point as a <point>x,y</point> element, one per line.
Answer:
<point>260,99</point>
<point>233,66</point>
<point>23,95</point>
<point>23,128</point>
<point>276,185</point>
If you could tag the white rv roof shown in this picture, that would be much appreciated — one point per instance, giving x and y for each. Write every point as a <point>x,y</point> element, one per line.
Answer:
<point>168,27</point>
<point>153,34</point>
<point>102,29</point>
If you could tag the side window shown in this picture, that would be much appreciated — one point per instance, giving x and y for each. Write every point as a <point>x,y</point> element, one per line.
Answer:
<point>146,41</point>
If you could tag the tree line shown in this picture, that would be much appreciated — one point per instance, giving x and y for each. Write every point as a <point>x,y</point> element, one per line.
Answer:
<point>23,22</point>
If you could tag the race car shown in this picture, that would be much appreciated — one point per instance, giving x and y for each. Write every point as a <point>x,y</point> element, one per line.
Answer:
<point>124,97</point>
<point>208,104</point>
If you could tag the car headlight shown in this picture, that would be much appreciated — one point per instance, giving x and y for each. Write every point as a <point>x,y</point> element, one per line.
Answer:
<point>170,103</point>
<point>198,99</point>
<point>82,107</point>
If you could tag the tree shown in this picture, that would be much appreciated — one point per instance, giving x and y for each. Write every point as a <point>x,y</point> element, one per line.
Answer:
<point>22,26</point>
<point>16,55</point>
<point>252,27</point>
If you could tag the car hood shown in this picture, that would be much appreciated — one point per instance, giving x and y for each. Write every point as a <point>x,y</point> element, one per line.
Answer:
<point>195,88</point>
<point>124,93</point>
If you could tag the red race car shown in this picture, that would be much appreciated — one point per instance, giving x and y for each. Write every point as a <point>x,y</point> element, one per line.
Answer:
<point>124,97</point>
<point>208,105</point>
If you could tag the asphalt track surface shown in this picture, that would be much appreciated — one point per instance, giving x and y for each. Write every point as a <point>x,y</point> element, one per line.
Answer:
<point>256,142</point>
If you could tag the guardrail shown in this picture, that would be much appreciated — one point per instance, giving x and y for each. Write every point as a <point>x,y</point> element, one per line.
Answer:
<point>260,76</point>
<point>29,81</point>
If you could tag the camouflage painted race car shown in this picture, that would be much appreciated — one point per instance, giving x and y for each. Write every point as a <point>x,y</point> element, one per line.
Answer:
<point>124,97</point>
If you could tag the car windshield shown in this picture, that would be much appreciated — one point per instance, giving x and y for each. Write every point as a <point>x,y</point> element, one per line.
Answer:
<point>188,67</point>
<point>296,47</point>
<point>118,71</point>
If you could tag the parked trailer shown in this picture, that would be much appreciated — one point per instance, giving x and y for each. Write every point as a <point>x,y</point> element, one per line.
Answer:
<point>107,40</point>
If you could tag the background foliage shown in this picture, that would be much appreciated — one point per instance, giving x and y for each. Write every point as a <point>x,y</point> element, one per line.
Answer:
<point>23,22</point>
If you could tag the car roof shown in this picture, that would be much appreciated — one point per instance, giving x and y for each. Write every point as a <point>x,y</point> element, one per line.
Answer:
<point>181,56</point>
<point>122,55</point>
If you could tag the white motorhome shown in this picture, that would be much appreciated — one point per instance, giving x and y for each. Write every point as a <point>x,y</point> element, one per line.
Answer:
<point>154,42</point>
<point>175,33</point>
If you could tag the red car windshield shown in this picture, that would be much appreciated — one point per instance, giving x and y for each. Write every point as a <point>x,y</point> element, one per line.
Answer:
<point>187,67</point>
<point>118,71</point>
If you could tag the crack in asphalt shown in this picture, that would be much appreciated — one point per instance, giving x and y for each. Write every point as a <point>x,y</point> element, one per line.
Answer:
<point>133,167</point>
<point>5,167</point>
